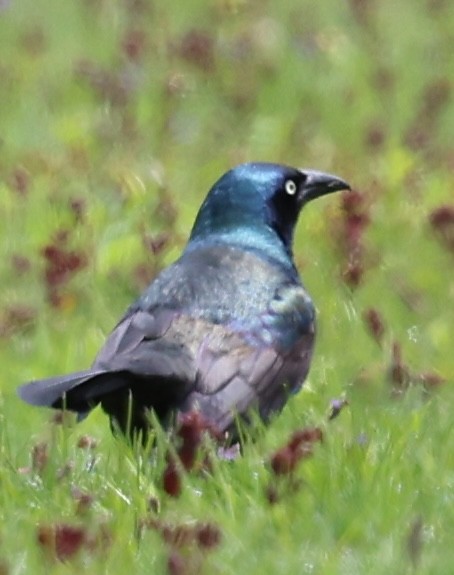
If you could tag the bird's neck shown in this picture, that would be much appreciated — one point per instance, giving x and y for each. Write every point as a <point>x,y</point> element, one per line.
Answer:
<point>260,240</point>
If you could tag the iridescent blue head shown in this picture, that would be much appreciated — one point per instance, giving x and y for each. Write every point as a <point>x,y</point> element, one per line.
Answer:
<point>256,206</point>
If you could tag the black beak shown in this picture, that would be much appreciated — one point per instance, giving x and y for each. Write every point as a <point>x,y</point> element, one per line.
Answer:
<point>318,184</point>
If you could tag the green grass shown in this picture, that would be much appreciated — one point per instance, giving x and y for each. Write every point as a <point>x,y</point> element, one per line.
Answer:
<point>115,118</point>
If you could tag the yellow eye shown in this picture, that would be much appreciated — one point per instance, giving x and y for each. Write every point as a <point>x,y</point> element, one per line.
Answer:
<point>290,187</point>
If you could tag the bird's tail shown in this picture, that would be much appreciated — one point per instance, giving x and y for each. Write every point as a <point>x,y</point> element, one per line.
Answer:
<point>69,391</point>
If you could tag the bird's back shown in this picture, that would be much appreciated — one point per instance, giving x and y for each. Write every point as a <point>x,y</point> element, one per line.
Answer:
<point>218,283</point>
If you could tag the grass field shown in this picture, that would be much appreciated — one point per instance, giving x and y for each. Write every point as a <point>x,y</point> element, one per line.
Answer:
<point>115,118</point>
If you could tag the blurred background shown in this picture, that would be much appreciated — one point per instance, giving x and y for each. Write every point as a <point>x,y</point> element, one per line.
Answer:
<point>117,116</point>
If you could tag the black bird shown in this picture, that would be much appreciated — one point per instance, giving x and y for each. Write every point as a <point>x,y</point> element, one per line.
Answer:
<point>227,328</point>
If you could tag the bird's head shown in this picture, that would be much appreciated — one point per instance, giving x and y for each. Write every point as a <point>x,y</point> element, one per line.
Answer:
<point>257,205</point>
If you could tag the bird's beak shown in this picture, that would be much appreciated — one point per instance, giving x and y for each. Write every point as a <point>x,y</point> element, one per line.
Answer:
<point>318,184</point>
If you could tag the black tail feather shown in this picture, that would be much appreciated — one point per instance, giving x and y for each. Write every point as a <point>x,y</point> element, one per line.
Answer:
<point>64,391</point>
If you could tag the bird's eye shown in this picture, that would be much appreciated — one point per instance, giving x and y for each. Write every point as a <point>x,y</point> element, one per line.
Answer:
<point>290,187</point>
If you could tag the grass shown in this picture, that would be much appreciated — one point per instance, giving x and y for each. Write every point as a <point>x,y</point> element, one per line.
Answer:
<point>116,117</point>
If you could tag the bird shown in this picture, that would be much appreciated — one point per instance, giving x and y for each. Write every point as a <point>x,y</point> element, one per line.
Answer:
<point>228,329</point>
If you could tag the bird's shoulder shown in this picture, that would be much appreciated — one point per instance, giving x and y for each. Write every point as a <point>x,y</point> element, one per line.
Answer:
<point>219,283</point>
<point>289,316</point>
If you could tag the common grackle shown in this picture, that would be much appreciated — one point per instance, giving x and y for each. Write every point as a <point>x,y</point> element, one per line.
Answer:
<point>227,328</point>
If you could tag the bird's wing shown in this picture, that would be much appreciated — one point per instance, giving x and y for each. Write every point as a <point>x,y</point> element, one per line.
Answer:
<point>173,361</point>
<point>255,365</point>
<point>234,376</point>
<point>138,346</point>
<point>221,370</point>
<point>148,345</point>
